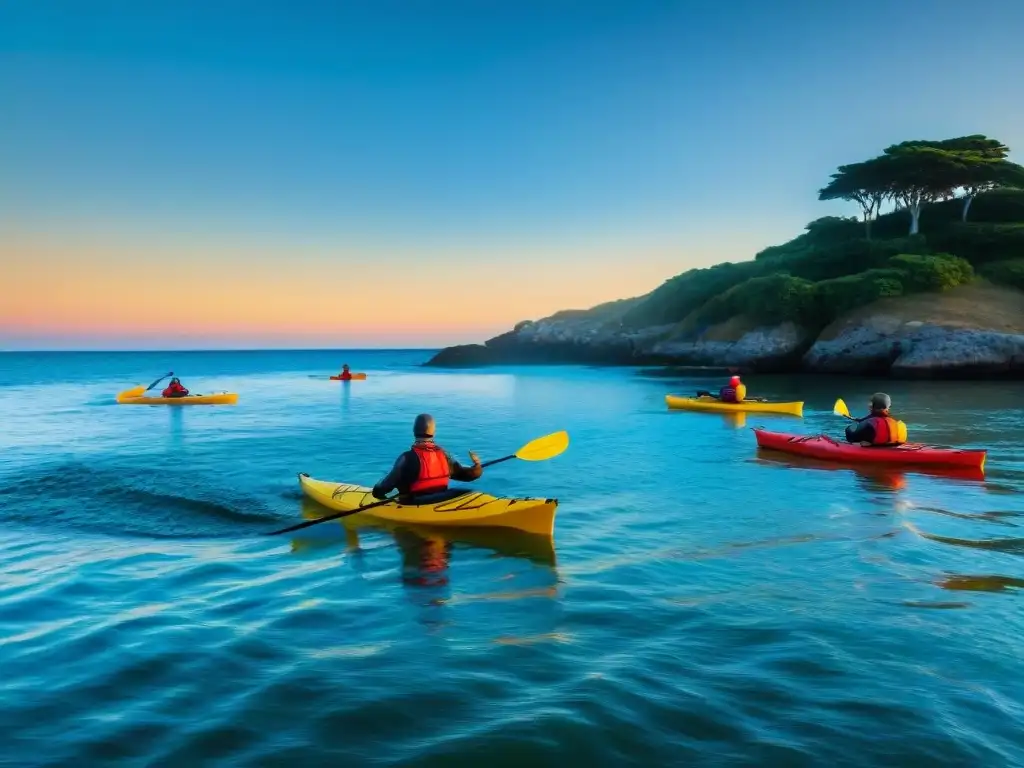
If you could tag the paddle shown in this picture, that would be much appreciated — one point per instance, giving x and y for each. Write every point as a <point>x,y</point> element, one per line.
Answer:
<point>158,381</point>
<point>541,449</point>
<point>840,409</point>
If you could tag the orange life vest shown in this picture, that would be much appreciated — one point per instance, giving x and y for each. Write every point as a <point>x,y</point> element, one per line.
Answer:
<point>345,376</point>
<point>434,469</point>
<point>887,431</point>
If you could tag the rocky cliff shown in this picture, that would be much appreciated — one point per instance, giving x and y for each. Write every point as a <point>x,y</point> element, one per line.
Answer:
<point>968,331</point>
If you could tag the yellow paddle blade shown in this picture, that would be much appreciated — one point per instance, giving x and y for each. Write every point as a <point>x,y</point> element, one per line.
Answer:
<point>130,393</point>
<point>544,448</point>
<point>840,408</point>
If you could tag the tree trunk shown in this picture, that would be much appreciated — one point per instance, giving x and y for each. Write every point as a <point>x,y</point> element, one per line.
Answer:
<point>915,217</point>
<point>967,206</point>
<point>867,226</point>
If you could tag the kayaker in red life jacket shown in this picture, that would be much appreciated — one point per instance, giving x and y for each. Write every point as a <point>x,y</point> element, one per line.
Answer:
<point>426,467</point>
<point>878,427</point>
<point>346,374</point>
<point>734,392</point>
<point>175,389</point>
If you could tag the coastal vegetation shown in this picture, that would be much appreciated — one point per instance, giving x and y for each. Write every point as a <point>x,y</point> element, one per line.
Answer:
<point>955,209</point>
<point>929,279</point>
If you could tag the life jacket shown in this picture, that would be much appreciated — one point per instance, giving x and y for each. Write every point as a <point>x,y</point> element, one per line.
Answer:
<point>888,431</point>
<point>346,376</point>
<point>174,389</point>
<point>434,469</point>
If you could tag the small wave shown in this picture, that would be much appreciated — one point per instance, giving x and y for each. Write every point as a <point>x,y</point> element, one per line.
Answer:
<point>164,503</point>
<point>1014,546</point>
<point>982,517</point>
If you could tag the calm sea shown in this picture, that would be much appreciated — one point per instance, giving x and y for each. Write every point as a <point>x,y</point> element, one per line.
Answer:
<point>701,605</point>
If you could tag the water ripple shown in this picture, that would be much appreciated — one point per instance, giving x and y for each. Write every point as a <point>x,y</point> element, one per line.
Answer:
<point>700,604</point>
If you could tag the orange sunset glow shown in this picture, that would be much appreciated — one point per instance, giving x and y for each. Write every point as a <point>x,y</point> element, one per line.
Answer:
<point>93,289</point>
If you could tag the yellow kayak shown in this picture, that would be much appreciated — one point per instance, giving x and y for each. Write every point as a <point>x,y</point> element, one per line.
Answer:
<point>711,405</point>
<point>459,507</point>
<point>538,548</point>
<point>135,396</point>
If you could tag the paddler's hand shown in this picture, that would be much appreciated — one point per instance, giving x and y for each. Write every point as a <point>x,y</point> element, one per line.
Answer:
<point>378,493</point>
<point>474,458</point>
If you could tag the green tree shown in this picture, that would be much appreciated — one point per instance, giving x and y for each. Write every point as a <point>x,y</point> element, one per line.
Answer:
<point>867,184</point>
<point>985,166</point>
<point>919,173</point>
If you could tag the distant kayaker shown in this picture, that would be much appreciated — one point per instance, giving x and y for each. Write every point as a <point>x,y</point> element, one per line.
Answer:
<point>175,389</point>
<point>346,374</point>
<point>878,427</point>
<point>426,467</point>
<point>734,392</point>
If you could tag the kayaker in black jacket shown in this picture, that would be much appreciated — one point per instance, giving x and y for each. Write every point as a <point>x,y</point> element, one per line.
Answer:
<point>426,467</point>
<point>878,427</point>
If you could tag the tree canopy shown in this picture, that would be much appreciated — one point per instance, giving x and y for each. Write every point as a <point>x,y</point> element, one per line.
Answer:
<point>914,173</point>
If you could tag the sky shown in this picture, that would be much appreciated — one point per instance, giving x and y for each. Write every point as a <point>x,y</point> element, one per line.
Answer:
<point>416,174</point>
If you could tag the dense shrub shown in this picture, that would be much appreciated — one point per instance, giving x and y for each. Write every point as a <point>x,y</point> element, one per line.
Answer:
<point>829,230</point>
<point>842,294</point>
<point>678,297</point>
<point>842,258</point>
<point>1009,273</point>
<point>770,299</point>
<point>981,243</point>
<point>610,310</point>
<point>937,272</point>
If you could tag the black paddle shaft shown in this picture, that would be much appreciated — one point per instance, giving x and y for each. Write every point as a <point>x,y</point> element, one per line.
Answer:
<point>335,516</point>
<point>497,461</point>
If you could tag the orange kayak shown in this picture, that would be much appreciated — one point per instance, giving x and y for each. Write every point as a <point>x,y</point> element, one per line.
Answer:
<point>355,377</point>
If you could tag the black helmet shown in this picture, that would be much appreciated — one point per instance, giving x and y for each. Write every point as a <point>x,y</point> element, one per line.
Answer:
<point>880,402</point>
<point>423,426</point>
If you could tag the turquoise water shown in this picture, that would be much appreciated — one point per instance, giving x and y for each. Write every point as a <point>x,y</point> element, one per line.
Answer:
<point>700,604</point>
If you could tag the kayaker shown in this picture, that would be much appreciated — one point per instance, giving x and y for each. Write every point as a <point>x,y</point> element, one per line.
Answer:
<point>734,392</point>
<point>878,427</point>
<point>346,374</point>
<point>426,467</point>
<point>175,389</point>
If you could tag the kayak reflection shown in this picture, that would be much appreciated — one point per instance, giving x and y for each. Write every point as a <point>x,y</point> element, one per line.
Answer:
<point>734,420</point>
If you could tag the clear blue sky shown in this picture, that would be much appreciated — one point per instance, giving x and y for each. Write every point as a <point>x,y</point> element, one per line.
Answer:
<point>601,145</point>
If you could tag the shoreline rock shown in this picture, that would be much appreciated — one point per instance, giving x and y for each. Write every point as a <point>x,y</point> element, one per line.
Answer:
<point>939,336</point>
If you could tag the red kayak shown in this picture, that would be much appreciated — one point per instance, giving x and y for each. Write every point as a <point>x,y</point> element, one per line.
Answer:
<point>909,454</point>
